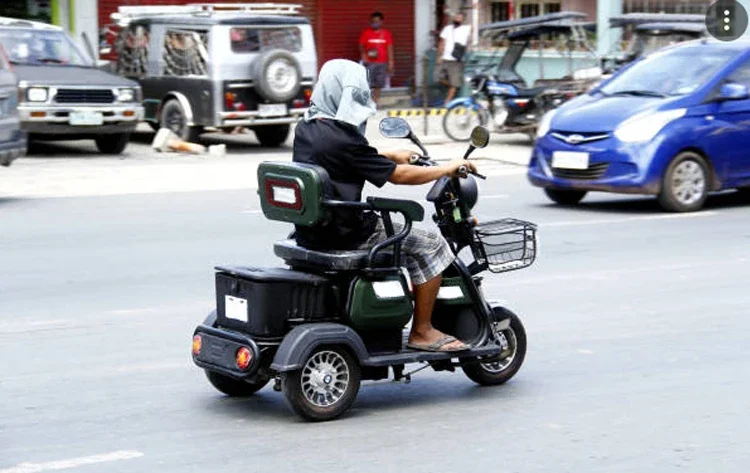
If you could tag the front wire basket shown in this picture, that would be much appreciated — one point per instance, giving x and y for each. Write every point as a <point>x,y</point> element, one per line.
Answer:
<point>505,245</point>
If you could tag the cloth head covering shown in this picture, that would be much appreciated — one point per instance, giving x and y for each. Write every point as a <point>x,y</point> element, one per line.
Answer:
<point>342,93</point>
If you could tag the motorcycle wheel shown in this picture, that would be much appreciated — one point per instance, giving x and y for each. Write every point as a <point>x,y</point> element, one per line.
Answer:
<point>502,369</point>
<point>459,120</point>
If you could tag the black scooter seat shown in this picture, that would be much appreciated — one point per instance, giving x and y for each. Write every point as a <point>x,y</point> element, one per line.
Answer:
<point>408,355</point>
<point>347,260</point>
<point>533,92</point>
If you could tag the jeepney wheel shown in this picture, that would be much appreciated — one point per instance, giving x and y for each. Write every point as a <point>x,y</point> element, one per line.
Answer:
<point>112,143</point>
<point>234,387</point>
<point>326,385</point>
<point>272,136</point>
<point>173,117</point>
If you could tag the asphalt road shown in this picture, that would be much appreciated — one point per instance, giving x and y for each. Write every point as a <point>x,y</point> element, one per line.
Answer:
<point>637,325</point>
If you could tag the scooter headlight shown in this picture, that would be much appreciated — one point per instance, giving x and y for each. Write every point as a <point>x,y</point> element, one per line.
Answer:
<point>544,123</point>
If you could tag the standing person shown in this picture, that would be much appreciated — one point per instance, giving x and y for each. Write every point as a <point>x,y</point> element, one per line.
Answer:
<point>452,47</point>
<point>376,51</point>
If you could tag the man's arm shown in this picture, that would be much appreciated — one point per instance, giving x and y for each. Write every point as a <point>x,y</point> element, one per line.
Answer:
<point>362,54</point>
<point>441,48</point>
<point>415,175</point>
<point>400,156</point>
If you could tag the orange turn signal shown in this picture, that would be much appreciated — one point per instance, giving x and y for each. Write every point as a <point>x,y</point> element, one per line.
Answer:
<point>128,113</point>
<point>38,114</point>
<point>244,357</point>
<point>197,344</point>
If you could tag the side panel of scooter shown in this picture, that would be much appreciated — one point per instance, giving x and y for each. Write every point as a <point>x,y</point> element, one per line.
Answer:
<point>379,304</point>
<point>454,311</point>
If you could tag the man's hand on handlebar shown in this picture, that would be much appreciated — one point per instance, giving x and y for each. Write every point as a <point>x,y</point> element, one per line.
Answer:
<point>456,166</point>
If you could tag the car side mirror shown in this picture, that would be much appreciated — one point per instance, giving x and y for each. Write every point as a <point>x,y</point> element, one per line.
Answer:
<point>733,91</point>
<point>394,127</point>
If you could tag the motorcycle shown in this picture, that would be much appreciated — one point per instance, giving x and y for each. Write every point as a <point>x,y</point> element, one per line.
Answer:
<point>330,320</point>
<point>505,107</point>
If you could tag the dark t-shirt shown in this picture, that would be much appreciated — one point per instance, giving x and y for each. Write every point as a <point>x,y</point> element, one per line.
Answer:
<point>350,161</point>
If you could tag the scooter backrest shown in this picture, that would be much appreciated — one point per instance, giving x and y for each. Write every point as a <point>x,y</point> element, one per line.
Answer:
<point>292,192</point>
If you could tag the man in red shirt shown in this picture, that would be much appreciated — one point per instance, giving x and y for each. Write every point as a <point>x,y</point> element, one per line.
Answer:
<point>376,50</point>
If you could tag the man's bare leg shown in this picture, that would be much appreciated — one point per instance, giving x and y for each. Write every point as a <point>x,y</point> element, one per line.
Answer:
<point>376,94</point>
<point>451,94</point>
<point>422,331</point>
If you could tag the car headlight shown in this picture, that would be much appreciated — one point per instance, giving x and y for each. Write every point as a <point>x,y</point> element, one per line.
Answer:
<point>644,126</point>
<point>126,95</point>
<point>544,123</point>
<point>36,94</point>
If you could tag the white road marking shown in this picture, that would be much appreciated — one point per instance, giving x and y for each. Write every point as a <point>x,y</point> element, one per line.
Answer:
<point>496,196</point>
<point>73,462</point>
<point>607,221</point>
<point>252,211</point>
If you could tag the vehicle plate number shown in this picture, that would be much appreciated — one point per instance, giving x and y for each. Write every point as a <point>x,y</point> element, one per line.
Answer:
<point>272,110</point>
<point>235,308</point>
<point>570,160</point>
<point>86,118</point>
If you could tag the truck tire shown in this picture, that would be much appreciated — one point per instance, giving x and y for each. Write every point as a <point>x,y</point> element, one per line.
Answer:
<point>277,76</point>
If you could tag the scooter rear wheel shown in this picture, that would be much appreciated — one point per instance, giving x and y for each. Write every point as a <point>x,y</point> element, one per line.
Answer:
<point>325,387</point>
<point>501,370</point>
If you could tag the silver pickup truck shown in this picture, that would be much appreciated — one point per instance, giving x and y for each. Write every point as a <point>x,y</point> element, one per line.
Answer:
<point>63,96</point>
<point>12,138</point>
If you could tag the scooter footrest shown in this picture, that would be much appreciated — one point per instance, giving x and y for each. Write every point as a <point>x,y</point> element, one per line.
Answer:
<point>415,356</point>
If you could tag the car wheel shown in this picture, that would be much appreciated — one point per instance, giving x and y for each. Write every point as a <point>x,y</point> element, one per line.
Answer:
<point>174,118</point>
<point>235,387</point>
<point>565,197</point>
<point>277,76</point>
<point>272,136</point>
<point>499,370</point>
<point>685,183</point>
<point>325,387</point>
<point>112,144</point>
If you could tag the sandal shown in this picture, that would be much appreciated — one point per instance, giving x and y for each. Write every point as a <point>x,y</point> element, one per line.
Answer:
<point>438,345</point>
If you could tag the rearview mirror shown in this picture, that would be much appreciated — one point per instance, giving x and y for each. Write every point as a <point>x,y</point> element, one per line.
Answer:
<point>394,127</point>
<point>733,91</point>
<point>480,137</point>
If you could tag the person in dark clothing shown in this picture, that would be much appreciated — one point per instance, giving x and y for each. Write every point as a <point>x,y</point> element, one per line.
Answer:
<point>331,135</point>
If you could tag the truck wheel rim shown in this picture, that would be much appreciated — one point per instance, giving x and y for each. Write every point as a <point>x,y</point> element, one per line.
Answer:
<point>281,76</point>
<point>688,182</point>
<point>325,378</point>
<point>508,341</point>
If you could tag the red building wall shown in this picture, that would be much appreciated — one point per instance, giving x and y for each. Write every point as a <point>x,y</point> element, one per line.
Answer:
<point>336,24</point>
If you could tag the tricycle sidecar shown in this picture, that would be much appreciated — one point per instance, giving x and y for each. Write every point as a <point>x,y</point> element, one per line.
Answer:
<point>331,319</point>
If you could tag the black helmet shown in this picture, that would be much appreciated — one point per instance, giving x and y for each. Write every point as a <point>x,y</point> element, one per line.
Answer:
<point>469,191</point>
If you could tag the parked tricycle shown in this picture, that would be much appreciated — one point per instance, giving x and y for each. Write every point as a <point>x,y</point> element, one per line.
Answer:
<point>329,320</point>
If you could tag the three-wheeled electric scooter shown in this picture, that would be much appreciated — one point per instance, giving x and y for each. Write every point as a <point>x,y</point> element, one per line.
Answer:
<point>332,319</point>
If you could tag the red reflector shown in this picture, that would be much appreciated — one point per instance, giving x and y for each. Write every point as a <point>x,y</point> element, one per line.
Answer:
<point>283,193</point>
<point>298,103</point>
<point>244,357</point>
<point>197,344</point>
<point>522,102</point>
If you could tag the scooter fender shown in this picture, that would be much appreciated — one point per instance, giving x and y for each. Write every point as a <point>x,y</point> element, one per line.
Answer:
<point>467,102</point>
<point>500,314</point>
<point>299,343</point>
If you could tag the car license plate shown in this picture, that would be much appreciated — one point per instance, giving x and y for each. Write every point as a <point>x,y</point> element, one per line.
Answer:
<point>570,160</point>
<point>86,118</point>
<point>235,308</point>
<point>272,110</point>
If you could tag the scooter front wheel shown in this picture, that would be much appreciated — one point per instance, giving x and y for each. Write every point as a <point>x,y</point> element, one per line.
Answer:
<point>501,369</point>
<point>460,120</point>
<point>325,387</point>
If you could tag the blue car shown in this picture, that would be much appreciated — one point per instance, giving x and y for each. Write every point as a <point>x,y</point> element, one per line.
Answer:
<point>675,124</point>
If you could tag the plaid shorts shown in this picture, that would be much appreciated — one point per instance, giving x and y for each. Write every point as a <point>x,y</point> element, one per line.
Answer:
<point>425,252</point>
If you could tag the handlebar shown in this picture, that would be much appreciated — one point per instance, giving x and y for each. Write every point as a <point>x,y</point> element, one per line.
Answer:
<point>463,171</point>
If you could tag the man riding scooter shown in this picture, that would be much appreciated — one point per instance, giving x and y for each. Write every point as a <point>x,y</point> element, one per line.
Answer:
<point>331,135</point>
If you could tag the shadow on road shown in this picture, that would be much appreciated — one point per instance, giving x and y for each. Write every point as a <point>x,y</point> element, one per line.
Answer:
<point>644,205</point>
<point>236,144</point>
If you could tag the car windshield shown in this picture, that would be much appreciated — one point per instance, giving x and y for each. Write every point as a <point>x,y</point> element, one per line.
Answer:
<point>41,47</point>
<point>646,44</point>
<point>675,72</point>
